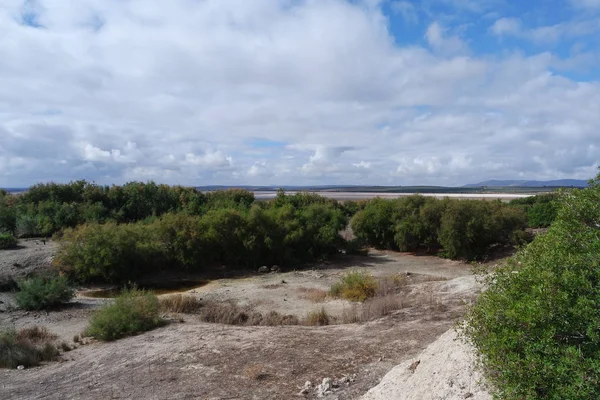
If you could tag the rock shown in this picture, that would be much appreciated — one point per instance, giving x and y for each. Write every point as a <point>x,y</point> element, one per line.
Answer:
<point>325,387</point>
<point>275,268</point>
<point>263,270</point>
<point>21,367</point>
<point>306,388</point>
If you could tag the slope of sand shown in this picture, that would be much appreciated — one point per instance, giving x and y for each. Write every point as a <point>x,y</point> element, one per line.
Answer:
<point>443,371</point>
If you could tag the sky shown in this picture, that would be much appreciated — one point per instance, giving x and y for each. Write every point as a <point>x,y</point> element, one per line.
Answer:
<point>298,92</point>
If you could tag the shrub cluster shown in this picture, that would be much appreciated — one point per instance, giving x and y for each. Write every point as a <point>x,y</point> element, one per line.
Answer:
<point>536,326</point>
<point>290,230</point>
<point>44,292</point>
<point>7,241</point>
<point>462,228</point>
<point>133,311</point>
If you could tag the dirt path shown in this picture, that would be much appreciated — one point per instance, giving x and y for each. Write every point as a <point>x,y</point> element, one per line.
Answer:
<point>211,361</point>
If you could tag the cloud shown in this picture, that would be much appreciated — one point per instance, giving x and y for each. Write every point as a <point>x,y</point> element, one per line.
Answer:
<point>286,92</point>
<point>506,26</point>
<point>546,34</point>
<point>439,40</point>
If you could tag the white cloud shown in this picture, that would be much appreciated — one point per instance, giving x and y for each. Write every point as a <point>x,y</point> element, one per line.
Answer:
<point>113,91</point>
<point>546,34</point>
<point>438,38</point>
<point>506,26</point>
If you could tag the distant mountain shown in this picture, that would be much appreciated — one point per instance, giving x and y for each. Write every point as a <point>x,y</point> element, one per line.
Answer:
<point>524,183</point>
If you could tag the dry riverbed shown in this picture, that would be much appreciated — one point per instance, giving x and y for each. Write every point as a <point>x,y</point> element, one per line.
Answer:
<point>196,360</point>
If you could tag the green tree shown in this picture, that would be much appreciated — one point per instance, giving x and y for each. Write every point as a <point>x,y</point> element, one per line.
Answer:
<point>536,326</point>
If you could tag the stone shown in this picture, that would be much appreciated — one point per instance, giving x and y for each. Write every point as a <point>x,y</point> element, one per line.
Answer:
<point>21,367</point>
<point>325,387</point>
<point>275,268</point>
<point>264,269</point>
<point>306,388</point>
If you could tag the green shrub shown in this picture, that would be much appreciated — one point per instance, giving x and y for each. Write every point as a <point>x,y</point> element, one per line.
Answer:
<point>7,241</point>
<point>355,286</point>
<point>134,311</point>
<point>536,326</point>
<point>18,348</point>
<point>44,292</point>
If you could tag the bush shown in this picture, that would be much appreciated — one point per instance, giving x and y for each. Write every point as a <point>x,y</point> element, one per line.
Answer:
<point>133,311</point>
<point>355,286</point>
<point>44,292</point>
<point>7,241</point>
<point>536,326</point>
<point>24,348</point>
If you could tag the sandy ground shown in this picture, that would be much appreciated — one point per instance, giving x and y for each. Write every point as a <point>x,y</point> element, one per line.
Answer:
<point>443,371</point>
<point>198,360</point>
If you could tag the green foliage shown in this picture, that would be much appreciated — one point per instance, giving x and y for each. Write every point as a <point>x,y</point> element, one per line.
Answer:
<point>44,292</point>
<point>133,312</point>
<point>536,326</point>
<point>8,216</point>
<point>109,252</point>
<point>541,210</point>
<point>272,233</point>
<point>463,228</point>
<point>7,241</point>
<point>355,286</point>
<point>16,349</point>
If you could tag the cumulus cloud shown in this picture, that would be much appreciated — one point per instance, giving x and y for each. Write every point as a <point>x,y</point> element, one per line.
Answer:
<point>177,91</point>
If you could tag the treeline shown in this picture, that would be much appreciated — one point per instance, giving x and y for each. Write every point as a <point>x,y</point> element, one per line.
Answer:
<point>48,208</point>
<point>119,233</point>
<point>460,228</point>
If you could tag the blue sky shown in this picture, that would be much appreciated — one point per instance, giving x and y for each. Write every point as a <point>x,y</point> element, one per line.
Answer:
<point>262,92</point>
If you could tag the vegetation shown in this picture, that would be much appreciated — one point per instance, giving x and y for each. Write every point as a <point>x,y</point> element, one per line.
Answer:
<point>26,347</point>
<point>318,318</point>
<point>44,292</point>
<point>541,210</point>
<point>536,325</point>
<point>461,228</point>
<point>232,314</point>
<point>7,241</point>
<point>134,311</point>
<point>179,303</point>
<point>290,230</point>
<point>355,286</point>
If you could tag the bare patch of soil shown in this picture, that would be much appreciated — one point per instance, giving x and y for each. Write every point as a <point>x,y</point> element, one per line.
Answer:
<point>195,360</point>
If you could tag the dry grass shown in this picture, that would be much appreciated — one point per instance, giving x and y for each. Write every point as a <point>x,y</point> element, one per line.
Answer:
<point>313,294</point>
<point>28,347</point>
<point>231,314</point>
<point>35,334</point>
<point>318,318</point>
<point>372,309</point>
<point>179,303</point>
<point>273,286</point>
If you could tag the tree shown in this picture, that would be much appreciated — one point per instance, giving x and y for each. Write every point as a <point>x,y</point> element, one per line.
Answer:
<point>536,326</point>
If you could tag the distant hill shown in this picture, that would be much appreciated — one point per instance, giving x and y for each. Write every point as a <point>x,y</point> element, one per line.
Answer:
<point>524,183</point>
